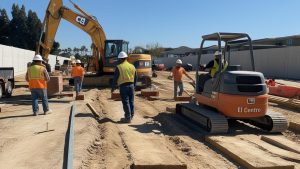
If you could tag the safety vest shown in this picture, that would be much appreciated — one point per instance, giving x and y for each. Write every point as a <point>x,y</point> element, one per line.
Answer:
<point>77,71</point>
<point>127,72</point>
<point>36,77</point>
<point>215,68</point>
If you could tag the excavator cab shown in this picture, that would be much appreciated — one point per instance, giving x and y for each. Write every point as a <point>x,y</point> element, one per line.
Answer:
<point>112,49</point>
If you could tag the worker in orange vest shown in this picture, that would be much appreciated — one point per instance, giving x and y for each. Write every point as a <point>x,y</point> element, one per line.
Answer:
<point>37,76</point>
<point>77,75</point>
<point>177,73</point>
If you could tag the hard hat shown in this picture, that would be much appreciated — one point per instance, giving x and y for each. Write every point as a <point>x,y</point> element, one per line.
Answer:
<point>218,53</point>
<point>178,61</point>
<point>122,55</point>
<point>78,61</point>
<point>37,58</point>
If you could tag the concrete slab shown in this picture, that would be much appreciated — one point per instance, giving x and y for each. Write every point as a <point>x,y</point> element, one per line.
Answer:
<point>282,142</point>
<point>246,154</point>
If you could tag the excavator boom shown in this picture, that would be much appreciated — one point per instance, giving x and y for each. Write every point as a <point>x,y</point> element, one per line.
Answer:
<point>83,21</point>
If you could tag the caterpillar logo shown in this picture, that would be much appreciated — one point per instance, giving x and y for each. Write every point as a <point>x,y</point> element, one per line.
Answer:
<point>81,20</point>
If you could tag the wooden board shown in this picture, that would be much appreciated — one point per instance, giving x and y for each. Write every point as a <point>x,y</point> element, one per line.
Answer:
<point>246,154</point>
<point>150,153</point>
<point>282,142</point>
<point>182,98</point>
<point>171,109</point>
<point>148,92</point>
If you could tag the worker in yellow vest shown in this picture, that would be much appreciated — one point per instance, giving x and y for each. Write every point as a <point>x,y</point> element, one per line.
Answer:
<point>125,77</point>
<point>37,76</point>
<point>77,75</point>
<point>213,65</point>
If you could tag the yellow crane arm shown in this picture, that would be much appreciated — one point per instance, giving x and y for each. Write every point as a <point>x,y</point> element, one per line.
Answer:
<point>84,21</point>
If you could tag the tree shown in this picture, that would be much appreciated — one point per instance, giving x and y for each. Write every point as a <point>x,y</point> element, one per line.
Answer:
<point>4,27</point>
<point>34,29</point>
<point>18,27</point>
<point>155,49</point>
<point>82,50</point>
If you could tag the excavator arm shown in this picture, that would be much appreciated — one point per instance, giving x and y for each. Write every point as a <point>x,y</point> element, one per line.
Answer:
<point>82,20</point>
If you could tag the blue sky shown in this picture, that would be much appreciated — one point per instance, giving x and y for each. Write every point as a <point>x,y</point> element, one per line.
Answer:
<point>174,23</point>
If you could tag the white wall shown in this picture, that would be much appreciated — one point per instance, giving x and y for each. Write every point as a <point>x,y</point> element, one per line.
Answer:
<point>276,62</point>
<point>18,58</point>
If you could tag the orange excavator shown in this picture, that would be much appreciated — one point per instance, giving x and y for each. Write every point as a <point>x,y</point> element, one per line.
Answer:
<point>105,52</point>
<point>232,93</point>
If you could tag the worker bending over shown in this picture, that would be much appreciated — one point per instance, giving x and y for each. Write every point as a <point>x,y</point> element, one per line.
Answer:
<point>37,76</point>
<point>125,77</point>
<point>77,75</point>
<point>177,73</point>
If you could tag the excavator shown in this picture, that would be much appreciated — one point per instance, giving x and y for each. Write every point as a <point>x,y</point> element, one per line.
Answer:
<point>104,60</point>
<point>233,93</point>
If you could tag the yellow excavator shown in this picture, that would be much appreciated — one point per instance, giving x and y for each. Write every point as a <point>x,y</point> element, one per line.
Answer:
<point>104,60</point>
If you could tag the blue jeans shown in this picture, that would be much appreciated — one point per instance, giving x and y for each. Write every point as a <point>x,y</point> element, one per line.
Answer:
<point>35,95</point>
<point>77,84</point>
<point>127,96</point>
<point>176,85</point>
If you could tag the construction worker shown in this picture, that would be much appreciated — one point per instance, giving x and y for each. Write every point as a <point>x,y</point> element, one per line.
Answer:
<point>213,65</point>
<point>177,73</point>
<point>37,76</point>
<point>77,74</point>
<point>125,77</point>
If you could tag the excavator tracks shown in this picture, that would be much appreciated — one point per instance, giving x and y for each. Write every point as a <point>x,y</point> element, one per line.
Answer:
<point>273,122</point>
<point>210,120</point>
<point>214,122</point>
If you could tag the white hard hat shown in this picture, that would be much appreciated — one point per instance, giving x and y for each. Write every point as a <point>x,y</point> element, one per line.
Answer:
<point>178,61</point>
<point>122,55</point>
<point>78,61</point>
<point>37,58</point>
<point>218,53</point>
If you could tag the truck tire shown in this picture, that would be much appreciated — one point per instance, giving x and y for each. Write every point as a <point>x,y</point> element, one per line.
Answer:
<point>9,89</point>
<point>1,91</point>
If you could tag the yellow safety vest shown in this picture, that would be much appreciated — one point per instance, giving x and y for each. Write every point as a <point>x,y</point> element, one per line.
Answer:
<point>36,77</point>
<point>127,72</point>
<point>215,68</point>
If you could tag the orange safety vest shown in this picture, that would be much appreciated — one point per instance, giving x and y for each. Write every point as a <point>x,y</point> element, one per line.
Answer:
<point>77,71</point>
<point>36,77</point>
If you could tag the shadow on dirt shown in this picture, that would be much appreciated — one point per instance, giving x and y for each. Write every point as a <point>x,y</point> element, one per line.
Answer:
<point>175,125</point>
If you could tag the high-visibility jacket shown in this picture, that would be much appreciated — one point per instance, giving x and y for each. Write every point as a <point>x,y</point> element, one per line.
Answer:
<point>127,73</point>
<point>215,68</point>
<point>77,71</point>
<point>36,77</point>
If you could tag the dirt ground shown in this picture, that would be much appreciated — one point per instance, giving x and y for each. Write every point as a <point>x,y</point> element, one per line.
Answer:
<point>155,136</point>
